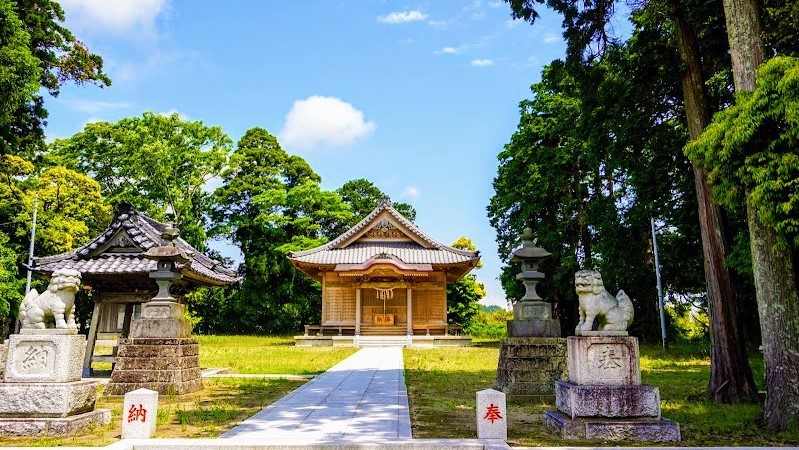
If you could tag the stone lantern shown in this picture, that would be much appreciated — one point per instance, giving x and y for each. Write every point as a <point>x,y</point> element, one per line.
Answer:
<point>533,357</point>
<point>162,317</point>
<point>532,315</point>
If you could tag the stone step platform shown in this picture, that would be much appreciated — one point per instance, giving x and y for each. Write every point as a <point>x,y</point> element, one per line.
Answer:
<point>604,429</point>
<point>47,399</point>
<point>607,401</point>
<point>55,426</point>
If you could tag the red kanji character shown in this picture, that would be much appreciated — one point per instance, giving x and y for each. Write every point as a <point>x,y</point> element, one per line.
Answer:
<point>135,414</point>
<point>492,413</point>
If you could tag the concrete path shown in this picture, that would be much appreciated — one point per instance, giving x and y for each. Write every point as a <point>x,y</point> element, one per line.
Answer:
<point>360,399</point>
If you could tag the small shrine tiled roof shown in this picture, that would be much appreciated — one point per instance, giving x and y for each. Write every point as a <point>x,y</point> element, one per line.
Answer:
<point>408,244</point>
<point>118,250</point>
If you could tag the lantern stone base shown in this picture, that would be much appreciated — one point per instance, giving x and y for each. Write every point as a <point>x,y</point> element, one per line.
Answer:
<point>55,427</point>
<point>652,430</point>
<point>529,367</point>
<point>169,366</point>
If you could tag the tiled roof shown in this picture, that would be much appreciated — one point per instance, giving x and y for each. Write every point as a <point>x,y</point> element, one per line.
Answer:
<point>408,252</point>
<point>144,233</point>
<point>340,251</point>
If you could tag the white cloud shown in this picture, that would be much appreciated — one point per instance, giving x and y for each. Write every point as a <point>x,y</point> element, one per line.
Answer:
<point>478,15</point>
<point>494,4</point>
<point>320,119</point>
<point>402,16</point>
<point>93,107</point>
<point>128,17</point>
<point>513,23</point>
<point>551,38</point>
<point>411,192</point>
<point>407,41</point>
<point>449,50</point>
<point>438,23</point>
<point>482,62</point>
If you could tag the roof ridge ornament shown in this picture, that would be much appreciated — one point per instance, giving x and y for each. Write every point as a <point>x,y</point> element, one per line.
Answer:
<point>386,201</point>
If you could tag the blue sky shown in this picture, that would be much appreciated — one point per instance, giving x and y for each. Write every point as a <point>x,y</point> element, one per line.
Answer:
<point>417,97</point>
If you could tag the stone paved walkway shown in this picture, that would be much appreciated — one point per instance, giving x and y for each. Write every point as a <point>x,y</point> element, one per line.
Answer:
<point>360,399</point>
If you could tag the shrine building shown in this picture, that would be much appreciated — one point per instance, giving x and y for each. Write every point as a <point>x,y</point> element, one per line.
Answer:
<point>384,281</point>
<point>113,267</point>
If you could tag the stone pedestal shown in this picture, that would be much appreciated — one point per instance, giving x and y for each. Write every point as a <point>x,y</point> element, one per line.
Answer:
<point>169,366</point>
<point>159,356</point>
<point>604,398</point>
<point>529,367</point>
<point>42,393</point>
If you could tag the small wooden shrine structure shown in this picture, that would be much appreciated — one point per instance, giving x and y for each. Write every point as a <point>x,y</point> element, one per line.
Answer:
<point>382,277</point>
<point>113,267</point>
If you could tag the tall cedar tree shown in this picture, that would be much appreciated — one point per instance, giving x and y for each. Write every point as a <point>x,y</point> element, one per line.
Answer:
<point>731,377</point>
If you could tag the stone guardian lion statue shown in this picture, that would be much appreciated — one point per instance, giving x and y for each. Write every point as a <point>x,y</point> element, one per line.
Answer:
<point>614,313</point>
<point>55,307</point>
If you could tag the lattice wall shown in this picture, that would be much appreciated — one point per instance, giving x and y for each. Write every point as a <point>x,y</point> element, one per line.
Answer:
<point>339,305</point>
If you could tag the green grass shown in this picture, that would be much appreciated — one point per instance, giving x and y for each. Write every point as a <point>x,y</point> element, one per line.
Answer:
<point>267,354</point>
<point>442,383</point>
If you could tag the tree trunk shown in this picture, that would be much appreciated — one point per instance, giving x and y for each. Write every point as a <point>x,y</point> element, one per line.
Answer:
<point>731,379</point>
<point>778,305</point>
<point>773,266</point>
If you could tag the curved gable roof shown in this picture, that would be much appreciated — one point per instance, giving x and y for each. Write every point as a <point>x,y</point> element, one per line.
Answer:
<point>118,250</point>
<point>354,247</point>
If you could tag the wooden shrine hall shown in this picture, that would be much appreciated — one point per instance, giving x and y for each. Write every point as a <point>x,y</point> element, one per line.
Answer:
<point>113,268</point>
<point>384,281</point>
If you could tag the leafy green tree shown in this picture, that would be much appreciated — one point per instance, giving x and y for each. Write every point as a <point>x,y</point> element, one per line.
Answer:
<point>70,212</point>
<point>11,286</point>
<point>464,295</point>
<point>696,30</point>
<point>19,69</point>
<point>157,163</point>
<point>270,203</point>
<point>61,58</point>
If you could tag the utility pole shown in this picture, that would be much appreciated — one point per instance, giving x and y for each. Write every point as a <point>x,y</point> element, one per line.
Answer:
<point>30,249</point>
<point>660,287</point>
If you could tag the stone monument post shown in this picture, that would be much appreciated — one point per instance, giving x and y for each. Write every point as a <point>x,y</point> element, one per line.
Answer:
<point>533,357</point>
<point>41,393</point>
<point>159,354</point>
<point>603,398</point>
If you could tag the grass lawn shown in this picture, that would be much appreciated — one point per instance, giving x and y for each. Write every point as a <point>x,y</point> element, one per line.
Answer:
<point>442,383</point>
<point>225,401</point>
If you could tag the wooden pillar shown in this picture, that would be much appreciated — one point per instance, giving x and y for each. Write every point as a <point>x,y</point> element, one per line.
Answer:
<point>358,311</point>
<point>128,318</point>
<point>410,312</point>
<point>87,359</point>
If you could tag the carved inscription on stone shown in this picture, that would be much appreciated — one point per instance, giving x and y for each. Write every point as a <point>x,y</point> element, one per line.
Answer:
<point>158,312</point>
<point>35,358</point>
<point>609,359</point>
<point>609,362</point>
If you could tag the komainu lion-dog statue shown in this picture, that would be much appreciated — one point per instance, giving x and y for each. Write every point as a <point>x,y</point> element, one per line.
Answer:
<point>614,313</point>
<point>57,302</point>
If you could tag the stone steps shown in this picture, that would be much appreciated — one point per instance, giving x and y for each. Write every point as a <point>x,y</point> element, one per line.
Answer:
<point>382,341</point>
<point>383,331</point>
